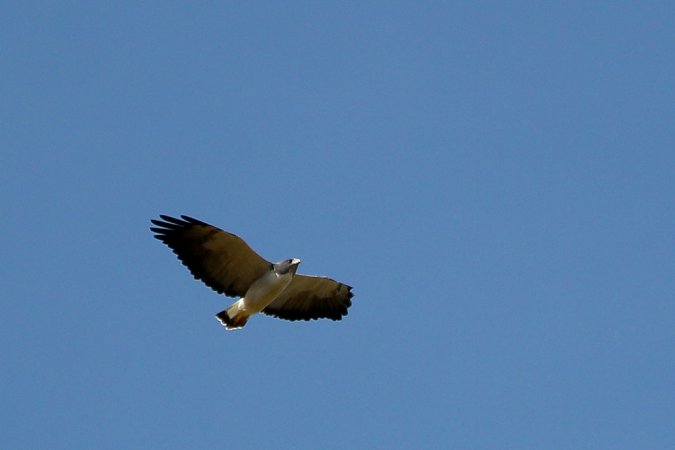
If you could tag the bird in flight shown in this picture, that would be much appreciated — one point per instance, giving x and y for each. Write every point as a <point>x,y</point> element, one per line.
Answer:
<point>226,264</point>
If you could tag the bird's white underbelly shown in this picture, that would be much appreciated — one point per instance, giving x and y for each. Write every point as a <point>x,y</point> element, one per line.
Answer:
<point>263,292</point>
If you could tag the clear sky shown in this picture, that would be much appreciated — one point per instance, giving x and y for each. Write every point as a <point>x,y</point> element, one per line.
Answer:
<point>495,179</point>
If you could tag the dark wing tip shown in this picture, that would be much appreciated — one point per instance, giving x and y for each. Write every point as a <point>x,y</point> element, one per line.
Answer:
<point>192,220</point>
<point>166,226</point>
<point>172,220</point>
<point>347,304</point>
<point>169,223</point>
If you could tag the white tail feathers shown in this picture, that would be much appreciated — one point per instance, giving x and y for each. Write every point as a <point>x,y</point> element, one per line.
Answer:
<point>233,317</point>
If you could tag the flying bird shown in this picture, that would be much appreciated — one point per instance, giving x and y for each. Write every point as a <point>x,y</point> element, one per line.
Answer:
<point>226,264</point>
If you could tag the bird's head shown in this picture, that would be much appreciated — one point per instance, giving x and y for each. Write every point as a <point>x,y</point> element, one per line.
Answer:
<point>287,266</point>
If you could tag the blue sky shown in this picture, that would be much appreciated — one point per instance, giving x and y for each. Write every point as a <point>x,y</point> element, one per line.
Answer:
<point>495,179</point>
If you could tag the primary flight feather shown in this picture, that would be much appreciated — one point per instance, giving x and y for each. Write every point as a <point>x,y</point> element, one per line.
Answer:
<point>226,264</point>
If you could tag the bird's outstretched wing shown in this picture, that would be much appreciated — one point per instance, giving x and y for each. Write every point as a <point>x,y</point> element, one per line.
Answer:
<point>222,260</point>
<point>311,297</point>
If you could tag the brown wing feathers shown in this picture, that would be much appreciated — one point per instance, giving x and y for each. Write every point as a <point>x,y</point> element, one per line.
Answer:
<point>222,260</point>
<point>310,297</point>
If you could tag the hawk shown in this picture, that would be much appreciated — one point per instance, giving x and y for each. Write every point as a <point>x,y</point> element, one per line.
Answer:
<point>226,264</point>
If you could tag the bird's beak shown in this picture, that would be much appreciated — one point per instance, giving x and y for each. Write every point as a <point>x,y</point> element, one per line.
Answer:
<point>296,261</point>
